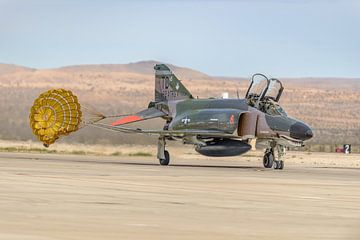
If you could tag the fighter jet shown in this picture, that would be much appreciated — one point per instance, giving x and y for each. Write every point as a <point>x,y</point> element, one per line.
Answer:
<point>219,127</point>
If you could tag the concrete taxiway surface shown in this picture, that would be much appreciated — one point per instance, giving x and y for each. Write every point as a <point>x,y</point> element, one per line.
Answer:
<point>48,197</point>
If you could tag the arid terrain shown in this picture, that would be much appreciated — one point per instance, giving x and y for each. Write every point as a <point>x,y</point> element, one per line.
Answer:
<point>329,105</point>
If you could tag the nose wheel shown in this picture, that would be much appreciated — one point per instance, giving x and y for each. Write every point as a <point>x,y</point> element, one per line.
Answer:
<point>268,159</point>
<point>279,164</point>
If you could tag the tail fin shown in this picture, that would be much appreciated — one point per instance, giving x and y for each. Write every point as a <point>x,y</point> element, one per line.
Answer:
<point>167,86</point>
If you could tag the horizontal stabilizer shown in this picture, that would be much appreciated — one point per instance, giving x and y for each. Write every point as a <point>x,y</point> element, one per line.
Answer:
<point>140,116</point>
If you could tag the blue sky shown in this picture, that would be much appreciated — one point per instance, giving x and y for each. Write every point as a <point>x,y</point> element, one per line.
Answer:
<point>225,38</point>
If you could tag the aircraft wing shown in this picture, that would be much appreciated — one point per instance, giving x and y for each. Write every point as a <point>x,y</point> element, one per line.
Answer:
<point>170,133</point>
<point>140,116</point>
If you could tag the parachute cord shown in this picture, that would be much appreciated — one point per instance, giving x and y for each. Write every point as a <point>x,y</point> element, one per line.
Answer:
<point>115,116</point>
<point>92,111</point>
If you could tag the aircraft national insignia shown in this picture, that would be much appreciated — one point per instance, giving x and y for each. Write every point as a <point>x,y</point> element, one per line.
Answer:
<point>185,120</point>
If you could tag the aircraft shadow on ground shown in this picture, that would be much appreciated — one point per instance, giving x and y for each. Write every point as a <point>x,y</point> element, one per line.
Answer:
<point>136,163</point>
<point>171,165</point>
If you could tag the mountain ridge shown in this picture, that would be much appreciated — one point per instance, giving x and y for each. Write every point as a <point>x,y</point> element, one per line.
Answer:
<point>146,67</point>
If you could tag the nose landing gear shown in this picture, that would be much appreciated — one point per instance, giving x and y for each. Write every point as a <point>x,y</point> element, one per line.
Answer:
<point>273,157</point>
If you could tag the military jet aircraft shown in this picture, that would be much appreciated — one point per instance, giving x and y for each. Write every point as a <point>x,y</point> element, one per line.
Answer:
<point>219,127</point>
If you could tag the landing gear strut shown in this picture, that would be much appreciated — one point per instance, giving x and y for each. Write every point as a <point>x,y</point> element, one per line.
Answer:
<point>162,154</point>
<point>273,157</point>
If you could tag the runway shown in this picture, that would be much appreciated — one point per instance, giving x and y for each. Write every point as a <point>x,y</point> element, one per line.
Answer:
<point>51,197</point>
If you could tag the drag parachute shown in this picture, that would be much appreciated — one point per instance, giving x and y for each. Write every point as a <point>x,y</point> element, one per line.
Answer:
<point>57,112</point>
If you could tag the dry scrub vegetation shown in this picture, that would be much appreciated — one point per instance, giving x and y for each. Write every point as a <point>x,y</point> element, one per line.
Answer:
<point>330,105</point>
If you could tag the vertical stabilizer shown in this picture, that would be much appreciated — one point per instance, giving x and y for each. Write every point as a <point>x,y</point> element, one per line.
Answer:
<point>167,86</point>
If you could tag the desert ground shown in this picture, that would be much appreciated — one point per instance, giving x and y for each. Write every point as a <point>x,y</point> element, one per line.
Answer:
<point>62,196</point>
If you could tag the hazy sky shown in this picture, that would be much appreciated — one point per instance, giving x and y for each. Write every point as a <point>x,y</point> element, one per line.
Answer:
<point>227,38</point>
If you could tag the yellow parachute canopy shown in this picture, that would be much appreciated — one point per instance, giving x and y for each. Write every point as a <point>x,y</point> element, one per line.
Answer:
<point>54,113</point>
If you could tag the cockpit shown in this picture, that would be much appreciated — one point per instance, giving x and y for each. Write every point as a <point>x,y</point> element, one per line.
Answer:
<point>264,94</point>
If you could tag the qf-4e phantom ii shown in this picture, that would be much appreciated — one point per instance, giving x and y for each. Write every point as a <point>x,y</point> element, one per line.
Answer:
<point>219,127</point>
<point>216,127</point>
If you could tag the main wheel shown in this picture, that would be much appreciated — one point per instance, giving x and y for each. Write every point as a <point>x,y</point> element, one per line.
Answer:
<point>268,160</point>
<point>165,161</point>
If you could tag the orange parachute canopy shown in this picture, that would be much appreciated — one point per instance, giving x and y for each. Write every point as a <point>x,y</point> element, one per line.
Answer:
<point>54,113</point>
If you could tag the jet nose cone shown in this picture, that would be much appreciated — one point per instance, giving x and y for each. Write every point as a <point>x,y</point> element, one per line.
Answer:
<point>309,134</point>
<point>301,131</point>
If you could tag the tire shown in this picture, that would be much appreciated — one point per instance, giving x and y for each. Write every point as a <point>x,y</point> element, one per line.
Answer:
<point>281,164</point>
<point>268,160</point>
<point>166,161</point>
<point>278,164</point>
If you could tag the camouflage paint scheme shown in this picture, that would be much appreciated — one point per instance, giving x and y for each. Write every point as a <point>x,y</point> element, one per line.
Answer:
<point>219,127</point>
<point>184,113</point>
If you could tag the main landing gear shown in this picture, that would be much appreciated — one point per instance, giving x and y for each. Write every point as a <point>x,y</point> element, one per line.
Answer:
<point>273,157</point>
<point>162,154</point>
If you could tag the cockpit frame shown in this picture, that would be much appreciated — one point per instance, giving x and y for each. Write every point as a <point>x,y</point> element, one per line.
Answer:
<point>280,91</point>
<point>255,98</point>
<point>265,100</point>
